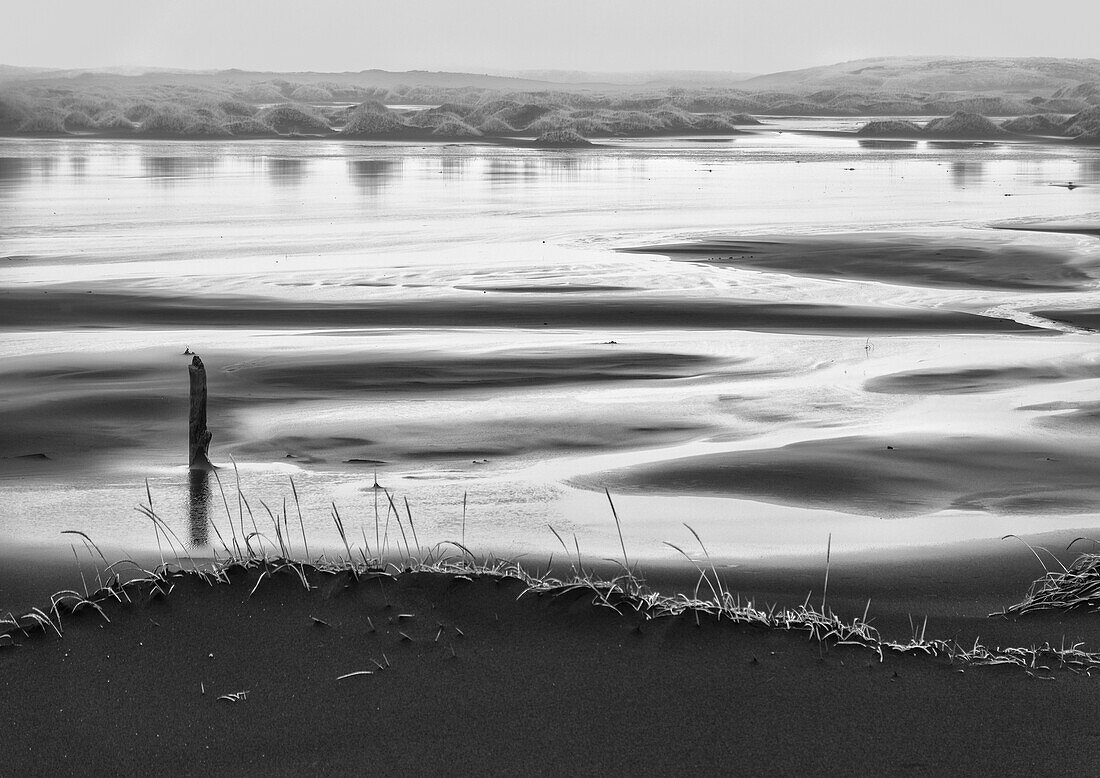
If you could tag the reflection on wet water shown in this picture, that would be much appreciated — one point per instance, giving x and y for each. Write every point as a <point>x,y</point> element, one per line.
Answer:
<point>872,143</point>
<point>285,170</point>
<point>958,145</point>
<point>198,507</point>
<point>161,168</point>
<point>966,172</point>
<point>1089,170</point>
<point>372,176</point>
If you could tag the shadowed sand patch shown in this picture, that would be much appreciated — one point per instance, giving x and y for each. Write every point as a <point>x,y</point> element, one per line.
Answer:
<point>1085,318</point>
<point>1067,415</point>
<point>977,380</point>
<point>62,307</point>
<point>961,262</point>
<point>437,371</point>
<point>475,441</point>
<point>1065,229</point>
<point>902,476</point>
<point>549,288</point>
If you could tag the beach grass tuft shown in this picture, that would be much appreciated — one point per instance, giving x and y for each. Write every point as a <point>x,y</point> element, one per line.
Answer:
<point>1072,587</point>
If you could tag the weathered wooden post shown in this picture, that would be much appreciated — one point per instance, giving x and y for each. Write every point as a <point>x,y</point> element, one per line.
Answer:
<point>198,436</point>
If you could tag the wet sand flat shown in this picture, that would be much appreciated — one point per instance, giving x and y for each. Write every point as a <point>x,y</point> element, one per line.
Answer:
<point>962,262</point>
<point>60,308</point>
<point>892,476</point>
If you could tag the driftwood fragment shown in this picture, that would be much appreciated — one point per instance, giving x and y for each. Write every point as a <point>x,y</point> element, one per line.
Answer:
<point>198,436</point>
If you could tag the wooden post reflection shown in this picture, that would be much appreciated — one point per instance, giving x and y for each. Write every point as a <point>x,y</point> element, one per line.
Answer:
<point>199,506</point>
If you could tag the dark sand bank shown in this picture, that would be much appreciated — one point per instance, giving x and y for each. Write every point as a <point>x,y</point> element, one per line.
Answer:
<point>1060,228</point>
<point>901,475</point>
<point>489,682</point>
<point>977,380</point>
<point>1074,416</point>
<point>28,310</point>
<point>958,263</point>
<point>1086,318</point>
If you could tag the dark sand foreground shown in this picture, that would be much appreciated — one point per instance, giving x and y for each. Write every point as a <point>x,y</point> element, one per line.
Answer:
<point>479,680</point>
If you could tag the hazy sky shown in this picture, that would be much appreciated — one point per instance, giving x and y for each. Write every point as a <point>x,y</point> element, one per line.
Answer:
<point>481,35</point>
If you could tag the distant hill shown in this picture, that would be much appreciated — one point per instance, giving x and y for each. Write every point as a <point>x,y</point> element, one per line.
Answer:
<point>883,75</point>
<point>686,78</point>
<point>380,79</point>
<point>1010,75</point>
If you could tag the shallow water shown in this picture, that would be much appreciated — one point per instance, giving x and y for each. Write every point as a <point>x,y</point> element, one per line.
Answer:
<point>458,319</point>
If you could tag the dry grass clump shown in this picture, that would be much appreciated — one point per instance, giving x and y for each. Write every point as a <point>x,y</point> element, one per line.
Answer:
<point>1074,588</point>
<point>245,546</point>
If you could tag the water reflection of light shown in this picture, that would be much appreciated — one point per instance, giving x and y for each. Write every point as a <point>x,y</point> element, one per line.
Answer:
<point>285,170</point>
<point>372,176</point>
<point>867,143</point>
<point>167,169</point>
<point>1089,170</point>
<point>964,173</point>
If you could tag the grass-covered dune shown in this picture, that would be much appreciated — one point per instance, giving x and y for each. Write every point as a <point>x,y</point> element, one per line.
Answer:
<point>1082,127</point>
<point>172,112</point>
<point>465,106</point>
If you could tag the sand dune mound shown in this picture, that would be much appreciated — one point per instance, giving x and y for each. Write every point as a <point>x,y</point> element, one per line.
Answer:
<point>890,128</point>
<point>13,112</point>
<point>78,121</point>
<point>43,123</point>
<point>370,123</point>
<point>236,108</point>
<point>287,118</point>
<point>962,124</point>
<point>113,121</point>
<point>1087,91</point>
<point>561,139</point>
<point>249,128</point>
<point>714,123</point>
<point>494,125</point>
<point>1035,124</point>
<point>1085,124</point>
<point>455,128</point>
<point>311,93</point>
